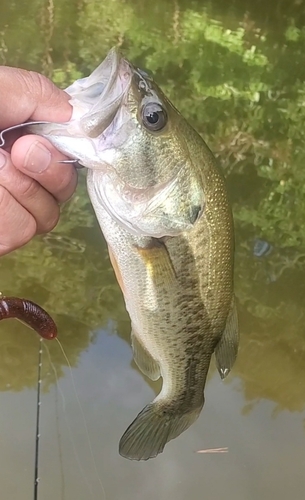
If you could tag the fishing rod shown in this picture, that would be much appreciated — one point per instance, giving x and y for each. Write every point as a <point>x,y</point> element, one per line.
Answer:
<point>37,433</point>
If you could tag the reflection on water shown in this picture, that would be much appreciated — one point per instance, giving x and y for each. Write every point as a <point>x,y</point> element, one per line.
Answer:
<point>237,73</point>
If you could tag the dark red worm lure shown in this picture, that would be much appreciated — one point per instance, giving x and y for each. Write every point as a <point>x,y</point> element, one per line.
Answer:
<point>29,313</point>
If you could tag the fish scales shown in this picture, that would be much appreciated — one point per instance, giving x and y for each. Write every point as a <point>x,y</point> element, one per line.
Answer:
<point>162,205</point>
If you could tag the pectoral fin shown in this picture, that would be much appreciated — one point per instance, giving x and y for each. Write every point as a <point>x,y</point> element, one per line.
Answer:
<point>227,347</point>
<point>158,262</point>
<point>143,359</point>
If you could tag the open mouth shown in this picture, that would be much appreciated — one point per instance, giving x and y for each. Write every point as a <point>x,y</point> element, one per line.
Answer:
<point>97,98</point>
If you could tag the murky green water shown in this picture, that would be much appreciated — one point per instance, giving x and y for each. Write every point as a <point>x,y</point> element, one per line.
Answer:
<point>237,73</point>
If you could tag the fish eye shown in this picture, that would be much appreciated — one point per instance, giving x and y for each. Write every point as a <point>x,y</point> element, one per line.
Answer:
<point>154,117</point>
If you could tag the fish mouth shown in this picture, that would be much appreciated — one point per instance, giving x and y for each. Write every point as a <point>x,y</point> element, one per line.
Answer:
<point>102,92</point>
<point>95,100</point>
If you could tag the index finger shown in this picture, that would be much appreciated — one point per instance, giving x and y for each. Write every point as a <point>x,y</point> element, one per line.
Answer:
<point>26,94</point>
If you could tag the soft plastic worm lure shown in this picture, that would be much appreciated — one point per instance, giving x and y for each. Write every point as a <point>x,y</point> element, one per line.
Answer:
<point>29,313</point>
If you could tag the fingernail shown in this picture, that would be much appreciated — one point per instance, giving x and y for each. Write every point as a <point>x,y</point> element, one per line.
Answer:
<point>38,158</point>
<point>2,160</point>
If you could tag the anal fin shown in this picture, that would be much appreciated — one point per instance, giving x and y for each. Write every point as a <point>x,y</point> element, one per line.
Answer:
<point>227,348</point>
<point>147,364</point>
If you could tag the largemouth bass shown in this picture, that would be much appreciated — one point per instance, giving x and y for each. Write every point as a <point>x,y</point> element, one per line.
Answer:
<point>162,205</point>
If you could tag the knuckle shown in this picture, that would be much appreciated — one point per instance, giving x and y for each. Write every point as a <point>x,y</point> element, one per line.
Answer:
<point>28,189</point>
<point>4,195</point>
<point>40,85</point>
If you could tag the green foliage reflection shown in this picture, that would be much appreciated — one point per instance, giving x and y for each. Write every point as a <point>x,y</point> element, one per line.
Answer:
<point>240,82</point>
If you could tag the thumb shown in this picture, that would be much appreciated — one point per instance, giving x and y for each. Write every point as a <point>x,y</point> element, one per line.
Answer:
<point>27,94</point>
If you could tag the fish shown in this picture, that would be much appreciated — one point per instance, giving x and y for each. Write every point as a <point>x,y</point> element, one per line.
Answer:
<point>161,202</point>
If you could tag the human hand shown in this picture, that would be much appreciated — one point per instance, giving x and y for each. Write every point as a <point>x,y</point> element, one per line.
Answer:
<point>32,183</point>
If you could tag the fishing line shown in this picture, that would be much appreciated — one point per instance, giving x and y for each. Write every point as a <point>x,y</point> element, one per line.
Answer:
<point>76,456</point>
<point>83,417</point>
<point>36,474</point>
<point>61,465</point>
<point>15,127</point>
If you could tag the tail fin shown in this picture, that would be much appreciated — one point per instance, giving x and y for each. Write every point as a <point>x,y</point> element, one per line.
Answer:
<point>155,425</point>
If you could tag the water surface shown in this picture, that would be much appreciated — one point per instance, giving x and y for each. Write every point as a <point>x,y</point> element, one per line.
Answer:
<point>236,72</point>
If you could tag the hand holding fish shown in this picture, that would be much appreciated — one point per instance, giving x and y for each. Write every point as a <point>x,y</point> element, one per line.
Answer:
<point>32,182</point>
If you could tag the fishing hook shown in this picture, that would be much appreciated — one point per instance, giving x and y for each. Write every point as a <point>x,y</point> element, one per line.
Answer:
<point>15,127</point>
